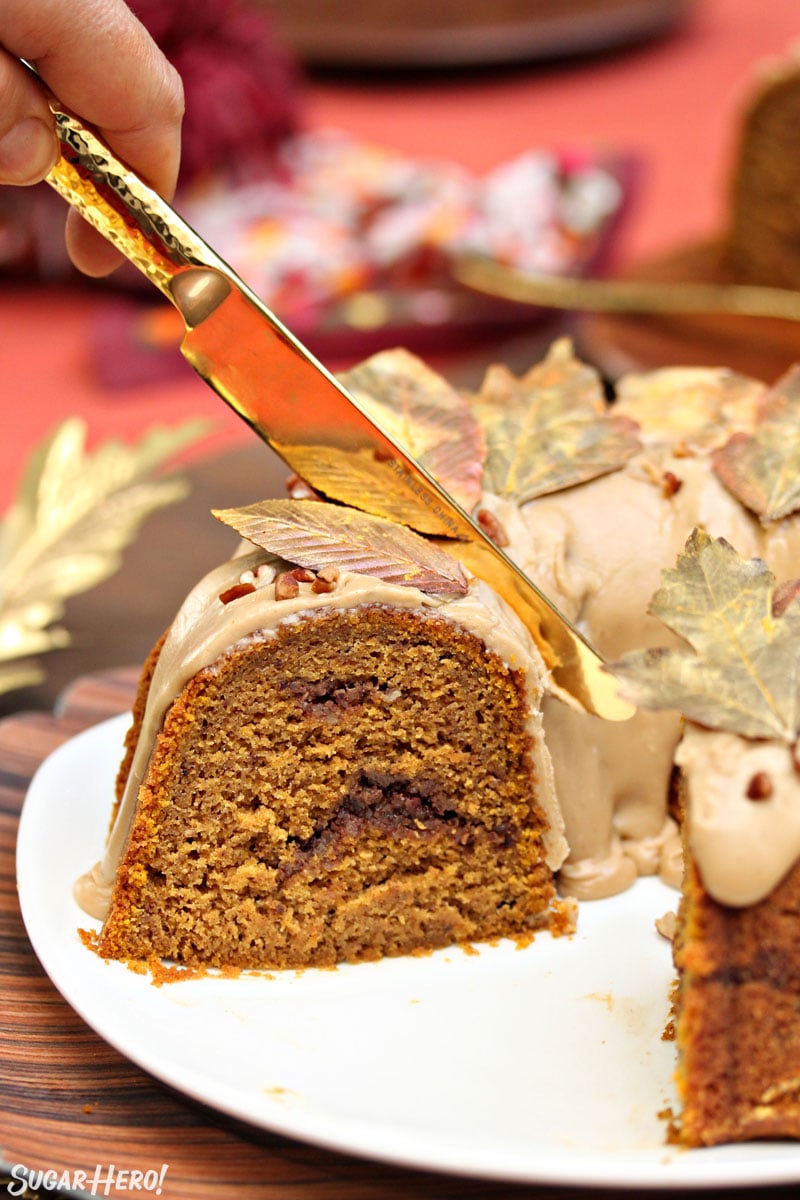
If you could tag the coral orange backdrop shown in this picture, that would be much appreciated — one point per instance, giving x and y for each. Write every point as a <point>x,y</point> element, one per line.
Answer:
<point>672,102</point>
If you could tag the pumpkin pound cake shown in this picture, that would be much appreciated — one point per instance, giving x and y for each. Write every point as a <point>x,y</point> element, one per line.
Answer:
<point>327,767</point>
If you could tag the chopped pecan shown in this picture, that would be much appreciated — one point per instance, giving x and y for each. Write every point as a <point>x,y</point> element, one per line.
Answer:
<point>298,489</point>
<point>651,471</point>
<point>491,526</point>
<point>302,574</point>
<point>783,595</point>
<point>286,586</point>
<point>760,786</point>
<point>670,484</point>
<point>326,580</point>
<point>238,589</point>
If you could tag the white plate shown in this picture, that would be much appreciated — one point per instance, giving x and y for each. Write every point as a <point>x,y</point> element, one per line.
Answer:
<point>540,1065</point>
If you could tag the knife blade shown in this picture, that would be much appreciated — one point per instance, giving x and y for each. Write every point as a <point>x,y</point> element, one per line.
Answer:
<point>254,363</point>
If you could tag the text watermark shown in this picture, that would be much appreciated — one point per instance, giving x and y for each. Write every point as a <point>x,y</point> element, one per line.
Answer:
<point>101,1180</point>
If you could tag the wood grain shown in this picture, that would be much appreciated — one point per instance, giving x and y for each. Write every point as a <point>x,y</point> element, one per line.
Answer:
<point>71,1103</point>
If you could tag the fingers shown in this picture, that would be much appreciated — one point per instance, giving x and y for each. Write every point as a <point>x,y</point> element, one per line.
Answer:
<point>99,60</point>
<point>28,142</point>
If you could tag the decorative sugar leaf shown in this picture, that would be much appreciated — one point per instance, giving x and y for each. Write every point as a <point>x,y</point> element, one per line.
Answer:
<point>73,515</point>
<point>744,674</point>
<point>762,469</point>
<point>431,420</point>
<point>315,536</point>
<point>364,480</point>
<point>550,429</point>
<point>695,407</point>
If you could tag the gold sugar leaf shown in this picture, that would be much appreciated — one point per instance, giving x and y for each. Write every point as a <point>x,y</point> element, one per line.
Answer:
<point>431,420</point>
<point>364,480</point>
<point>762,469</point>
<point>742,673</point>
<point>697,407</point>
<point>550,429</point>
<point>314,535</point>
<point>73,515</point>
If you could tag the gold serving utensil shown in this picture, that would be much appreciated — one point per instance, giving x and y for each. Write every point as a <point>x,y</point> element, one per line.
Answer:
<point>625,295</point>
<point>264,373</point>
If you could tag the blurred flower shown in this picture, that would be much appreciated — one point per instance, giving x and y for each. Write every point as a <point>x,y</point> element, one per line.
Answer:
<point>242,87</point>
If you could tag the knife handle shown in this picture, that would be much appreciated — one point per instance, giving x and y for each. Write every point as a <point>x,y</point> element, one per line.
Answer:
<point>134,218</point>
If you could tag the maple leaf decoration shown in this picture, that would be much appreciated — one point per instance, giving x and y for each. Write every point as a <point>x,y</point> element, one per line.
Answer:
<point>421,412</point>
<point>762,468</point>
<point>742,673</point>
<point>694,407</point>
<point>430,419</point>
<point>321,535</point>
<point>550,429</point>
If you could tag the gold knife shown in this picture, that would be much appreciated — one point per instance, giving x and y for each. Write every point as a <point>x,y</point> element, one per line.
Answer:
<point>258,367</point>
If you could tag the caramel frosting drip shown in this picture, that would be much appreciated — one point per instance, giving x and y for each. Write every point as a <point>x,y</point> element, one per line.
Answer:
<point>205,628</point>
<point>598,550</point>
<point>743,812</point>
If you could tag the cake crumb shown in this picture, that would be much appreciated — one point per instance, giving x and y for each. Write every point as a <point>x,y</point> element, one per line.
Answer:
<point>564,917</point>
<point>666,925</point>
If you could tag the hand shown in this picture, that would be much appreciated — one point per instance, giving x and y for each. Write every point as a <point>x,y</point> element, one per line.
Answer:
<point>98,59</point>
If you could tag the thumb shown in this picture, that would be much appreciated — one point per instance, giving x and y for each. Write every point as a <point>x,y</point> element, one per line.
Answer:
<point>28,142</point>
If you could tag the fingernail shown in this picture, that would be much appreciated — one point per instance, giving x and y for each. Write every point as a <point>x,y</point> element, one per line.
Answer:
<point>27,152</point>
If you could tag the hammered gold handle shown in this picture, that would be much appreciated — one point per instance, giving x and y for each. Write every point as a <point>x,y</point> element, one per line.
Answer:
<point>134,218</point>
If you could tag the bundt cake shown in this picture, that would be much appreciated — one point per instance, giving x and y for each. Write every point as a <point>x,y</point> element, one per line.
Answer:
<point>326,764</point>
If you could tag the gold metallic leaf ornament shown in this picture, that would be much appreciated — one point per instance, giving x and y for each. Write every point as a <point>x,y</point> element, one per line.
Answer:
<point>426,415</point>
<point>551,429</point>
<point>742,673</point>
<point>315,535</point>
<point>762,468</point>
<point>74,514</point>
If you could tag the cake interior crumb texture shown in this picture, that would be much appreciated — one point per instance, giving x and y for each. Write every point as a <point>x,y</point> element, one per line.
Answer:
<point>738,1015</point>
<point>359,785</point>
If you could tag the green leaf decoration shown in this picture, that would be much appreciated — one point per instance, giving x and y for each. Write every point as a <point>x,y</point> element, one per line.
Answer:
<point>431,420</point>
<point>314,535</point>
<point>550,429</point>
<point>74,513</point>
<point>762,468</point>
<point>742,673</point>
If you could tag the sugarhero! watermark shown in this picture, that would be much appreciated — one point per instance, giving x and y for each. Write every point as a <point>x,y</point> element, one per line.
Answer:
<point>109,1180</point>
